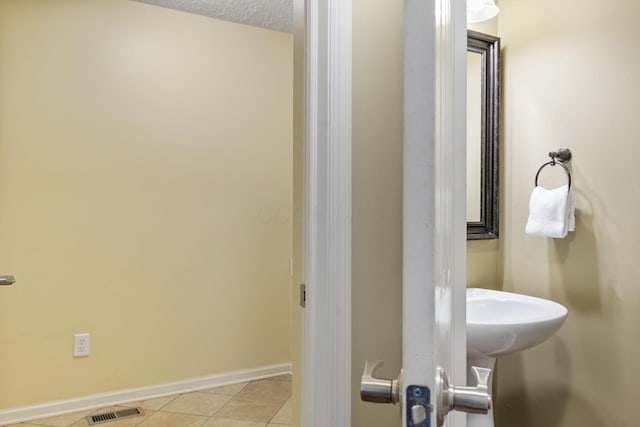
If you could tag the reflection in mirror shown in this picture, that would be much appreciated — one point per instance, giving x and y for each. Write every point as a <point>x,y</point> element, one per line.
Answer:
<point>483,84</point>
<point>474,141</point>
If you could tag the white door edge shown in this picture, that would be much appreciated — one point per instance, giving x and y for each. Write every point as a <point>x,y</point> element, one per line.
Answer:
<point>459,123</point>
<point>419,189</point>
<point>326,353</point>
<point>434,224</point>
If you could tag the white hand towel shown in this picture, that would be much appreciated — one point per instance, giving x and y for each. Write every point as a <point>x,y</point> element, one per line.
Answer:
<point>551,212</point>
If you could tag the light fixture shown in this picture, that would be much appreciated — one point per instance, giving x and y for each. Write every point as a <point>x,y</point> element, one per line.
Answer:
<point>481,10</point>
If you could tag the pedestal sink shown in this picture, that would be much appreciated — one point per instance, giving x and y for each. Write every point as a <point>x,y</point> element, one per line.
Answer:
<point>500,323</point>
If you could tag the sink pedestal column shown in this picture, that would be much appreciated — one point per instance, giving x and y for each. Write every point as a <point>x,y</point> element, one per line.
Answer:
<point>481,361</point>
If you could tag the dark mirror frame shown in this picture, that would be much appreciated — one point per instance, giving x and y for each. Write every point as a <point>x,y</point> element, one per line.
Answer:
<point>489,47</point>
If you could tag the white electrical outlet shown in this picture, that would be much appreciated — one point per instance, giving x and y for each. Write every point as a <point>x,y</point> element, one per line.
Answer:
<point>80,345</point>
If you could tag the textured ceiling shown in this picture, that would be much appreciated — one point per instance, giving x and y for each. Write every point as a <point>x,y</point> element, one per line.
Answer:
<point>272,14</point>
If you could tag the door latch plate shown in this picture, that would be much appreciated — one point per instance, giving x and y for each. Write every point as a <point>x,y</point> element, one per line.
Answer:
<point>418,408</point>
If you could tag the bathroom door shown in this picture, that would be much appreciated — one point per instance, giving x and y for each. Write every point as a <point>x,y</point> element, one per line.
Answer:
<point>434,224</point>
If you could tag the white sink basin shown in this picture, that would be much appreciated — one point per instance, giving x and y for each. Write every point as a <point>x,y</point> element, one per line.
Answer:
<point>501,322</point>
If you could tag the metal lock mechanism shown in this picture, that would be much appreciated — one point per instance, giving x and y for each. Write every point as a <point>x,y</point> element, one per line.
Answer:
<point>476,400</point>
<point>418,412</point>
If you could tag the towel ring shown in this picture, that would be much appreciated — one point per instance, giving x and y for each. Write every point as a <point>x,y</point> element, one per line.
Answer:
<point>560,157</point>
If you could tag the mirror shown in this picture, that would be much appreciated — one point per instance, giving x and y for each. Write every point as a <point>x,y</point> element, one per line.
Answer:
<point>483,83</point>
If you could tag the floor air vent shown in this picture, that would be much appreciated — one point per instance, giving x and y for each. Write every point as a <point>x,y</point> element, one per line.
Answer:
<point>114,415</point>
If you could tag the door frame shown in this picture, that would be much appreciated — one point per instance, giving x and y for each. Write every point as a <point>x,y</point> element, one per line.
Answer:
<point>326,341</point>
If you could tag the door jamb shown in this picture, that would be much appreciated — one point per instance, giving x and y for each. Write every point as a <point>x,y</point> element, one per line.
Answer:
<point>326,343</point>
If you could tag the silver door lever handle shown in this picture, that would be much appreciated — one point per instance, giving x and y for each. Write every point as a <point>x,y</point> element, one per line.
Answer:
<point>474,400</point>
<point>378,390</point>
<point>7,280</point>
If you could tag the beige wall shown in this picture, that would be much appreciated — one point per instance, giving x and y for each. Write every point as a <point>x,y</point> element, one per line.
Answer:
<point>483,263</point>
<point>297,230</point>
<point>145,196</point>
<point>377,199</point>
<point>571,79</point>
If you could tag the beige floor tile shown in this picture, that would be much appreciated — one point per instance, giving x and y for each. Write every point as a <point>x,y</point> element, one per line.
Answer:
<point>284,377</point>
<point>227,390</point>
<point>172,419</point>
<point>228,422</point>
<point>284,415</point>
<point>127,422</point>
<point>277,425</point>
<point>152,404</point>
<point>250,410</point>
<point>278,391</point>
<point>62,420</point>
<point>197,403</point>
<point>256,403</point>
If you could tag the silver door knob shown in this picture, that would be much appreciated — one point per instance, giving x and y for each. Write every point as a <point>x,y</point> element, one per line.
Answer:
<point>7,280</point>
<point>475,400</point>
<point>378,390</point>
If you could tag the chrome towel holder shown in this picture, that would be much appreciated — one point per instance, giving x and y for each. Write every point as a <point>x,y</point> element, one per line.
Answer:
<point>560,157</point>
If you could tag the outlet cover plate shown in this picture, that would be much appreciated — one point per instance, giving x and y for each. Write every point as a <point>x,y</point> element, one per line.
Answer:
<point>80,345</point>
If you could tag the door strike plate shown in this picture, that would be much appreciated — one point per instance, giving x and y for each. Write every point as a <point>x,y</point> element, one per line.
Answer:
<point>418,408</point>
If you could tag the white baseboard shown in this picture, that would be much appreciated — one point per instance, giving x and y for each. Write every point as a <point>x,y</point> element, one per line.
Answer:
<point>50,409</point>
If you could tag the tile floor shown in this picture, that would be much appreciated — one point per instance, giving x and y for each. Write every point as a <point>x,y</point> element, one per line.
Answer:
<point>262,403</point>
